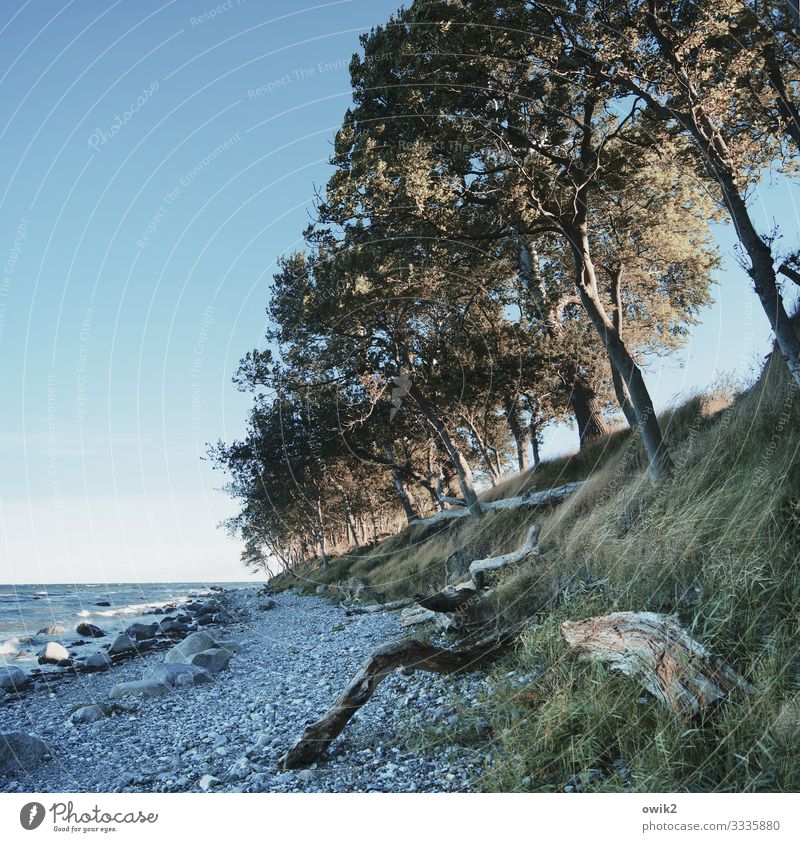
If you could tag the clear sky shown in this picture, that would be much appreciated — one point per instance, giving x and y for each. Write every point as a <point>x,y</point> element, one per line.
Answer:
<point>157,158</point>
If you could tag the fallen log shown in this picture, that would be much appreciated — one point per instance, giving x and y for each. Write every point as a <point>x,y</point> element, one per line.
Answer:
<point>408,652</point>
<point>397,605</point>
<point>448,599</point>
<point>480,567</point>
<point>549,497</point>
<point>416,614</point>
<point>654,648</point>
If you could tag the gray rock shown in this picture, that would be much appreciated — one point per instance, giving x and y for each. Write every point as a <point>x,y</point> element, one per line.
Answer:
<point>321,589</point>
<point>51,630</point>
<point>54,653</point>
<point>205,620</point>
<point>231,645</point>
<point>88,714</point>
<point>239,770</point>
<point>197,642</point>
<point>98,661</point>
<point>213,660</point>
<point>20,751</point>
<point>121,644</point>
<point>103,603</point>
<point>88,630</point>
<point>177,675</point>
<point>265,603</point>
<point>146,688</point>
<point>208,782</point>
<point>171,626</point>
<point>13,679</point>
<point>142,631</point>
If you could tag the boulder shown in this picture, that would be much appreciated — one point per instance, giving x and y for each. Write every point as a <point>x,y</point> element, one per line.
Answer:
<point>177,675</point>
<point>191,645</point>
<point>146,687</point>
<point>98,661</point>
<point>265,603</point>
<point>121,644</point>
<point>103,604</point>
<point>30,641</point>
<point>183,618</point>
<point>142,631</point>
<point>321,589</point>
<point>88,714</point>
<point>170,626</point>
<point>13,679</point>
<point>213,660</point>
<point>21,751</point>
<point>51,630</point>
<point>206,619</point>
<point>88,630</point>
<point>54,653</point>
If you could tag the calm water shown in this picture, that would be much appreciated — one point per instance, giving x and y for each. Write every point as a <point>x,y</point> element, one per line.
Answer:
<point>26,609</point>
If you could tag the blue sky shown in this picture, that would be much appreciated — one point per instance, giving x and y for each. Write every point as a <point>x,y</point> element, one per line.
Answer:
<point>156,160</point>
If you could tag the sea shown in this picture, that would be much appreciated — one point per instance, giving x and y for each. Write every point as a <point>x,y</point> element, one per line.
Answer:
<point>25,610</point>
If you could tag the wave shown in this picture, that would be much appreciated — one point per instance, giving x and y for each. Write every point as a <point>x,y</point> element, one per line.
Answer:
<point>10,646</point>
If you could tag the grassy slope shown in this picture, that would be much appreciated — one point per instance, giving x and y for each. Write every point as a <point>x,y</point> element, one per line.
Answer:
<point>718,544</point>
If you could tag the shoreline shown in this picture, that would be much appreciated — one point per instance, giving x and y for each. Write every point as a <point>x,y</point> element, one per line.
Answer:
<point>226,735</point>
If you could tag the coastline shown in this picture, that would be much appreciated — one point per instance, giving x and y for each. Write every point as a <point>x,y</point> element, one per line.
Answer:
<point>226,735</point>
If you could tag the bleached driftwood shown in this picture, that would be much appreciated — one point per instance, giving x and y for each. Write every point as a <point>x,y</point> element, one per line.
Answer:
<point>550,497</point>
<point>409,652</point>
<point>449,599</point>
<point>397,605</point>
<point>479,568</point>
<point>671,665</point>
<point>416,614</point>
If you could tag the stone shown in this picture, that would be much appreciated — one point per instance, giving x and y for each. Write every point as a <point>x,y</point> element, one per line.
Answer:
<point>208,782</point>
<point>265,603</point>
<point>51,630</point>
<point>88,714</point>
<point>321,589</point>
<point>13,679</point>
<point>146,688</point>
<point>142,631</point>
<point>205,620</point>
<point>103,604</point>
<point>239,770</point>
<point>171,626</point>
<point>213,660</point>
<point>54,653</point>
<point>231,645</point>
<point>177,675</point>
<point>21,751</point>
<point>191,645</point>
<point>98,661</point>
<point>88,630</point>
<point>121,644</point>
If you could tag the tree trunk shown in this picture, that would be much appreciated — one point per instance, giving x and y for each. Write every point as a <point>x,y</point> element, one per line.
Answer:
<point>646,419</point>
<point>519,433</point>
<point>587,408</point>
<point>453,451</point>
<point>535,445</point>
<point>321,540</point>
<point>399,484</point>
<point>409,652</point>
<point>762,271</point>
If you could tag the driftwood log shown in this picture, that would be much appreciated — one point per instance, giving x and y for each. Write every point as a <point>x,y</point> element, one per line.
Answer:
<point>408,652</point>
<point>533,499</point>
<point>671,665</point>
<point>479,568</point>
